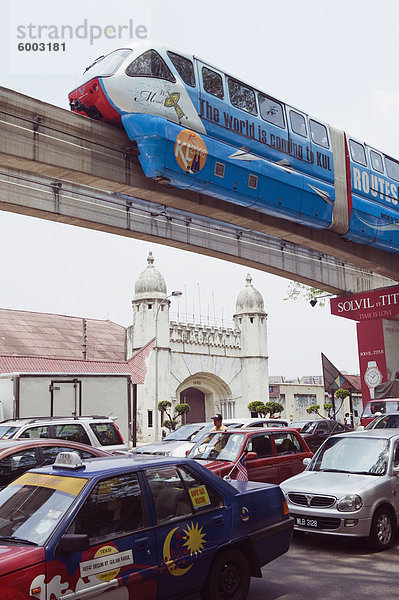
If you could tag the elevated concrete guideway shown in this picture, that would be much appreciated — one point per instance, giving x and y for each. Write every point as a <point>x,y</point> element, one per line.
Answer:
<point>64,167</point>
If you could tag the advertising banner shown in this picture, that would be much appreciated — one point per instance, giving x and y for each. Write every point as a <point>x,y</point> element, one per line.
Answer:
<point>375,304</point>
<point>372,357</point>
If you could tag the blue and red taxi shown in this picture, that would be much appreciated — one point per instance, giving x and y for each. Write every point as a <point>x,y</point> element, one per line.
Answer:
<point>151,528</point>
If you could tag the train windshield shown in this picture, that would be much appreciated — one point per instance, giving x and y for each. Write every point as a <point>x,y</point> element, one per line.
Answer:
<point>104,66</point>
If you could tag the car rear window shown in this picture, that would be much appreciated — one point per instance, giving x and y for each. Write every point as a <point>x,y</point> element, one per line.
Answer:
<point>107,433</point>
<point>8,431</point>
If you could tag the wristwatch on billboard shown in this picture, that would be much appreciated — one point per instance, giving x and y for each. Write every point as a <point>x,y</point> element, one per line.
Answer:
<point>372,377</point>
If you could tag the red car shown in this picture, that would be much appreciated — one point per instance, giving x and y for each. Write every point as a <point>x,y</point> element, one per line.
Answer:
<point>20,455</point>
<point>271,455</point>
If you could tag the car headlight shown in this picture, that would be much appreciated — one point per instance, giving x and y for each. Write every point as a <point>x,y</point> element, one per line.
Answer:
<point>350,503</point>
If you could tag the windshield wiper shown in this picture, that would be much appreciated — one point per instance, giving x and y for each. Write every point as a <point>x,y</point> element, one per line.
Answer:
<point>17,540</point>
<point>334,471</point>
<point>94,63</point>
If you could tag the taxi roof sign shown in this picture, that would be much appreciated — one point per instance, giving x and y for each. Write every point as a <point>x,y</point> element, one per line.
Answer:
<point>68,460</point>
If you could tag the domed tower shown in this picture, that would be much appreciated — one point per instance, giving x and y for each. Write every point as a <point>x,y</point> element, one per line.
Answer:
<point>250,318</point>
<point>151,320</point>
<point>150,309</point>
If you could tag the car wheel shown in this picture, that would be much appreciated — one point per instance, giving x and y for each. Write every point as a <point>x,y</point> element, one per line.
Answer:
<point>382,529</point>
<point>228,577</point>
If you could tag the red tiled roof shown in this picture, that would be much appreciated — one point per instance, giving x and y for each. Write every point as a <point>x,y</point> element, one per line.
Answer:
<point>135,367</point>
<point>24,333</point>
<point>354,381</point>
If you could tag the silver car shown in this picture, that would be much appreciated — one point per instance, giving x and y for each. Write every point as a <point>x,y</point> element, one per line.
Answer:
<point>180,442</point>
<point>350,487</point>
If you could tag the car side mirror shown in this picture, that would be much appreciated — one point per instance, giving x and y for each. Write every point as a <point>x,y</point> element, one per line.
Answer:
<point>396,470</point>
<point>251,455</point>
<point>306,461</point>
<point>73,542</point>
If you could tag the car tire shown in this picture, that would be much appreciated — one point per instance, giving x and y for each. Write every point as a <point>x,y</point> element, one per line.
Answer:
<point>382,531</point>
<point>228,578</point>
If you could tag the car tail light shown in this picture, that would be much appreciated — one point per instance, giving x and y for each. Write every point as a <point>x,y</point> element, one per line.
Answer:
<point>119,433</point>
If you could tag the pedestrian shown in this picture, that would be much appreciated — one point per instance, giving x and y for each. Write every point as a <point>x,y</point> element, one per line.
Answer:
<point>348,420</point>
<point>217,423</point>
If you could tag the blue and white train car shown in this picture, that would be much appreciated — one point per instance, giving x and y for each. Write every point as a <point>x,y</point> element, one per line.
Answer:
<point>199,128</point>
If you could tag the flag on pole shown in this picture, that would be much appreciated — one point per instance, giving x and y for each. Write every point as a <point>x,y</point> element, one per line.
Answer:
<point>242,472</point>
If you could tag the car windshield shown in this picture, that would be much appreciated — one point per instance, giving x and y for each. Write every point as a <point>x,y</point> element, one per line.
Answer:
<point>308,427</point>
<point>8,431</point>
<point>384,422</point>
<point>380,406</point>
<point>185,433</point>
<point>33,505</point>
<point>104,66</point>
<point>218,446</point>
<point>205,430</point>
<point>352,454</point>
<point>202,433</point>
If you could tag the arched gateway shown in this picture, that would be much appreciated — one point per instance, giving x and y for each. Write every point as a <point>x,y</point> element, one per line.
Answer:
<point>214,369</point>
<point>206,394</point>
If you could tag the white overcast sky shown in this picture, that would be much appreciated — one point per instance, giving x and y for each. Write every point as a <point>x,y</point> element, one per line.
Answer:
<point>335,60</point>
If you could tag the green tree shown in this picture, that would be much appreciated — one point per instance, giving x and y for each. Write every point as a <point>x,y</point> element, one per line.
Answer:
<point>341,394</point>
<point>274,408</point>
<point>315,409</point>
<point>173,420</point>
<point>300,291</point>
<point>263,409</point>
<point>258,407</point>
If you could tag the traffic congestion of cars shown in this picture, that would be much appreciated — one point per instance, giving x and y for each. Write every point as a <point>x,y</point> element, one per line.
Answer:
<point>180,441</point>
<point>80,520</point>
<point>153,527</point>
<point>271,455</point>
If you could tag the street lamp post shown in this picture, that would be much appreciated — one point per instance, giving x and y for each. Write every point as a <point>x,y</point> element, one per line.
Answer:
<point>174,294</point>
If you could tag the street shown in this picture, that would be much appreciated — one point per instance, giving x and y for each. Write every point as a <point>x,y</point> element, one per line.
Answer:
<point>328,568</point>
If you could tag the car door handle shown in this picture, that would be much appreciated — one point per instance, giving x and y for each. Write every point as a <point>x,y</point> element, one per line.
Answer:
<point>219,520</point>
<point>141,543</point>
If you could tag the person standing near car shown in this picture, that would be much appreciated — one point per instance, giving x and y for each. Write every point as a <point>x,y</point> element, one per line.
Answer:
<point>348,420</point>
<point>217,423</point>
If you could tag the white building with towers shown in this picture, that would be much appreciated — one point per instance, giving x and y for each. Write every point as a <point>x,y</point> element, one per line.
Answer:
<point>213,369</point>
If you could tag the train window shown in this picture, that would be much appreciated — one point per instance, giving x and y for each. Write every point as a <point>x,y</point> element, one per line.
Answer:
<point>392,168</point>
<point>357,152</point>
<point>105,65</point>
<point>271,111</point>
<point>150,64</point>
<point>298,123</point>
<point>219,169</point>
<point>213,83</point>
<point>376,161</point>
<point>184,67</point>
<point>242,96</point>
<point>252,181</point>
<point>318,133</point>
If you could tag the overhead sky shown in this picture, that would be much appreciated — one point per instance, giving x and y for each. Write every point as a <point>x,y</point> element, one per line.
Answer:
<point>334,60</point>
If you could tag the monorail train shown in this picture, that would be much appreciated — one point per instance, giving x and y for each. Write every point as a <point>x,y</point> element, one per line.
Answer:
<point>198,128</point>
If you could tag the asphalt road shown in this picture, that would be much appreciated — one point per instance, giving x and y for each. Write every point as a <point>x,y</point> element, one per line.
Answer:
<point>319,567</point>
